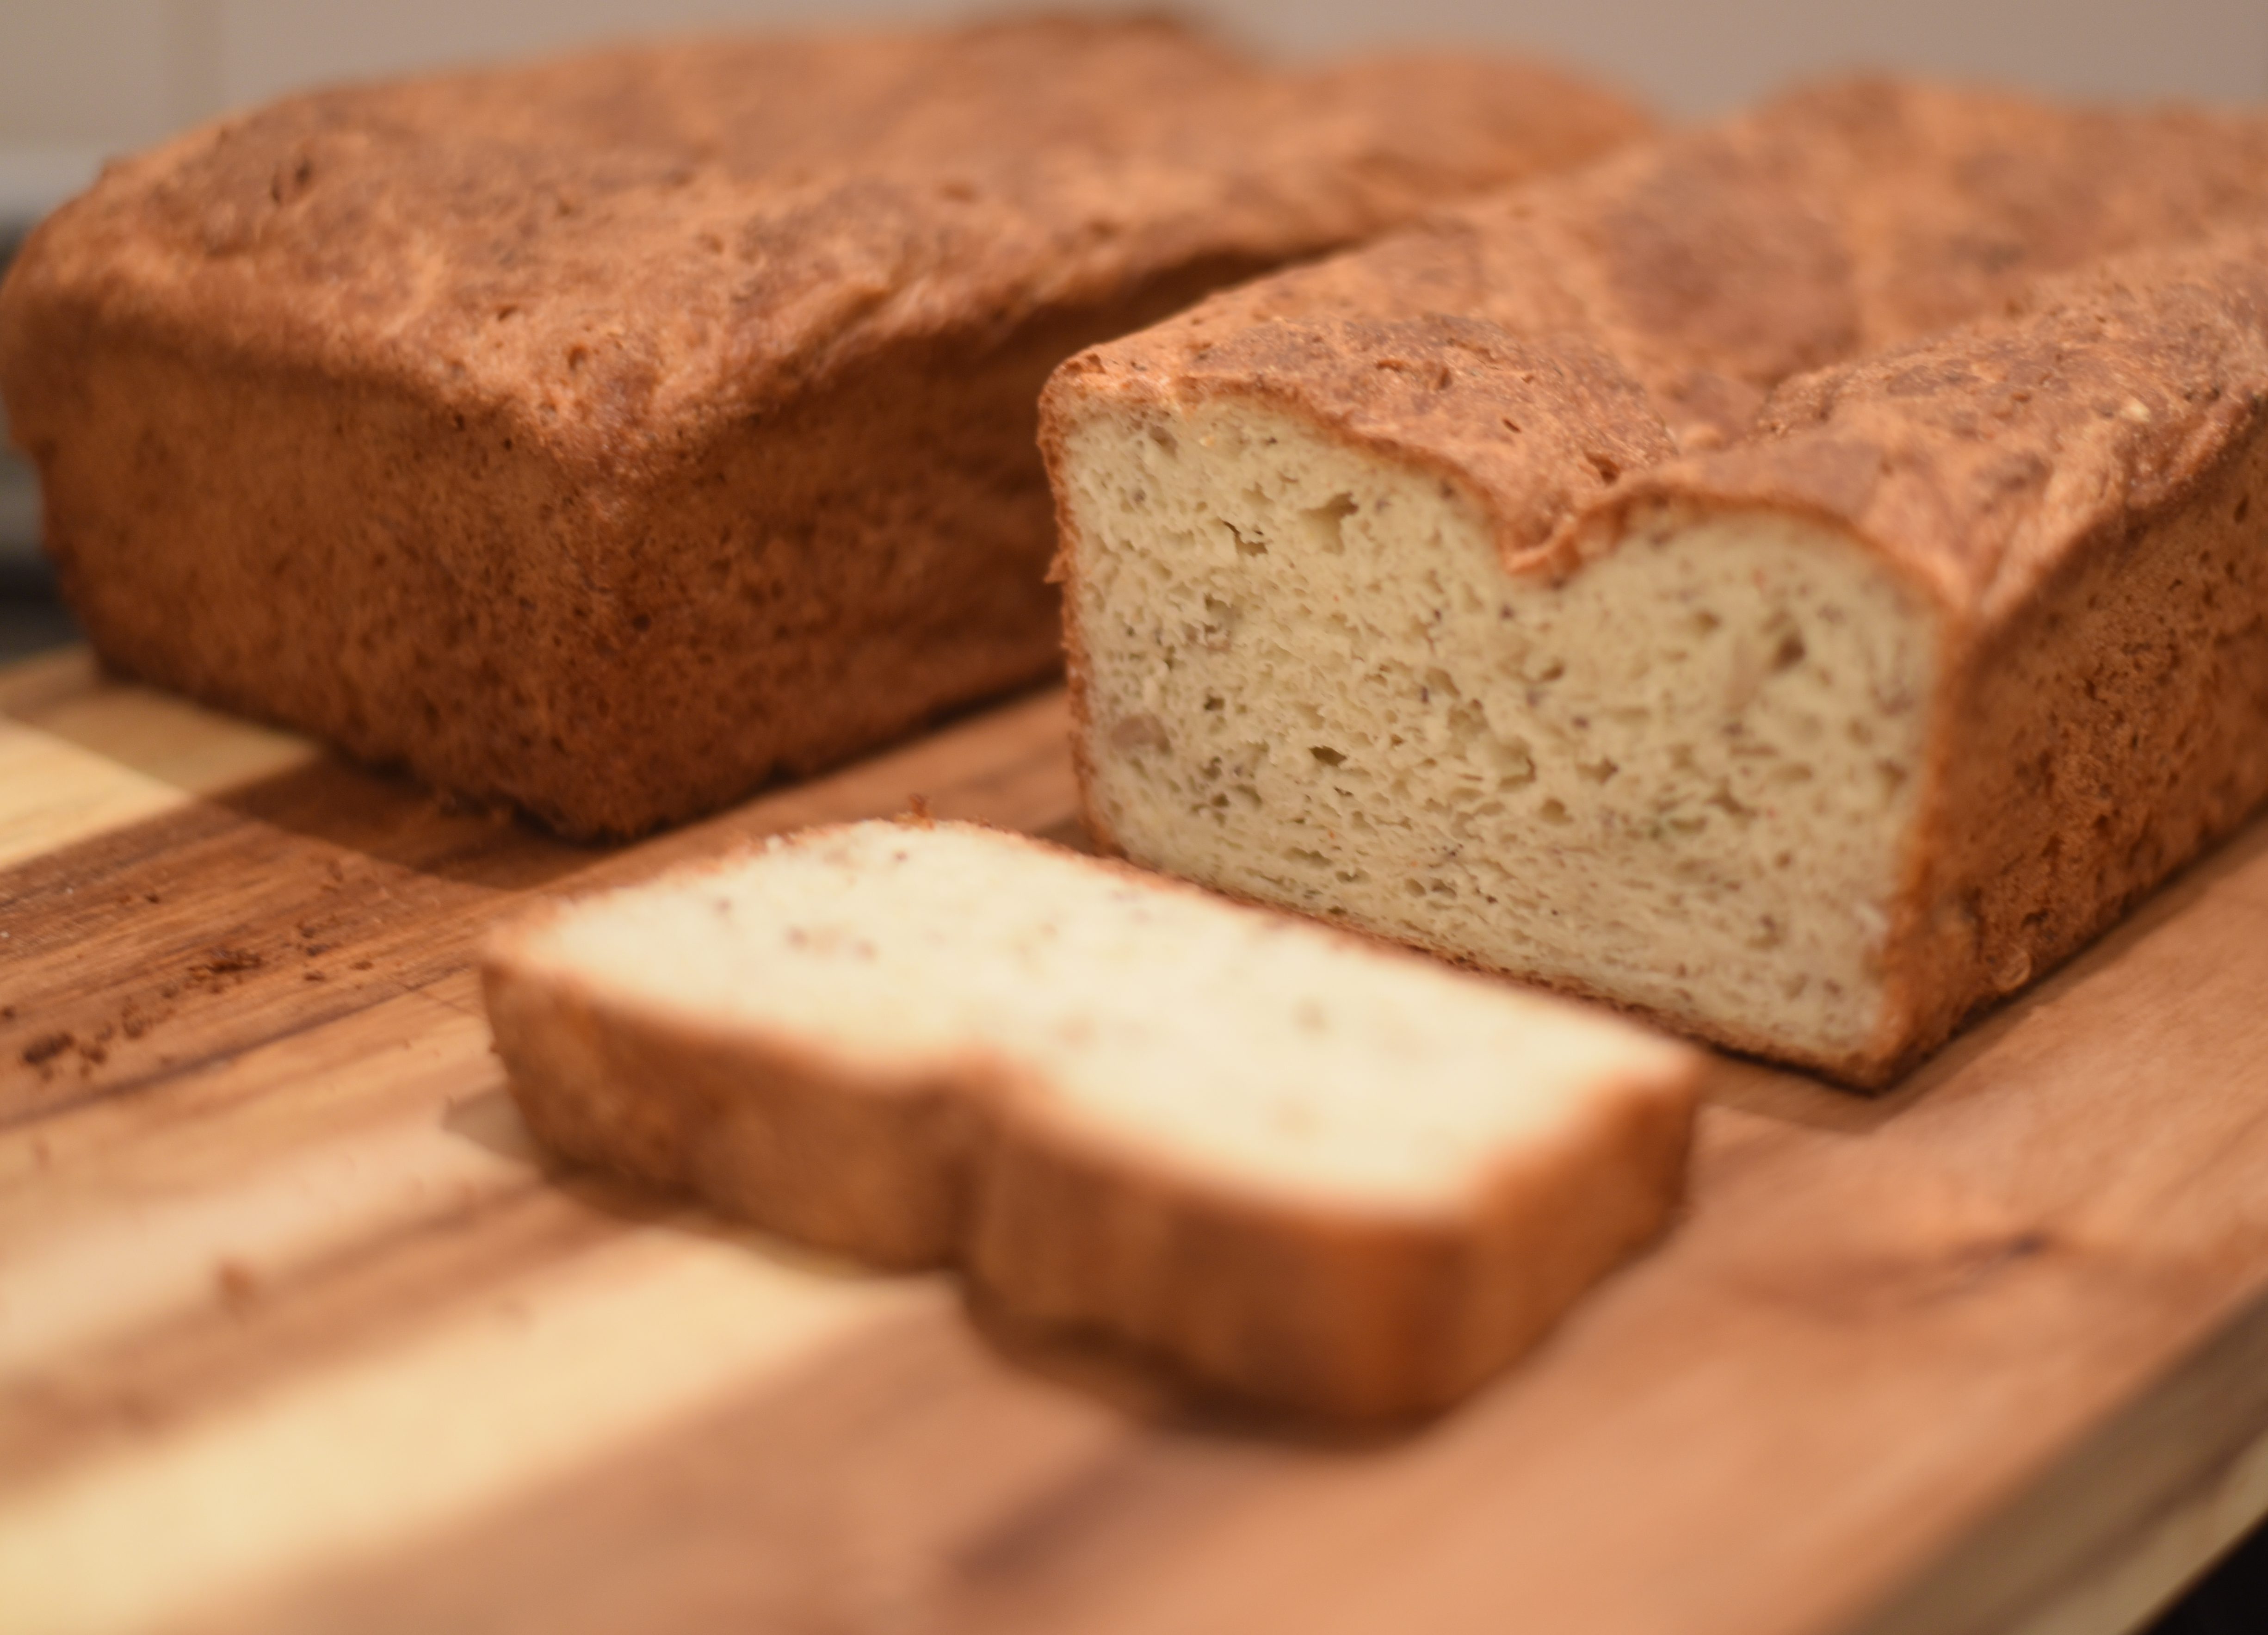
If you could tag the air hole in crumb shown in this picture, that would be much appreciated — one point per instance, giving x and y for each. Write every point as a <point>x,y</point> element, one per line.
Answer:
<point>1327,755</point>
<point>1607,469</point>
<point>1555,812</point>
<point>1325,524</point>
<point>1137,733</point>
<point>2243,508</point>
<point>1244,546</point>
<point>1789,654</point>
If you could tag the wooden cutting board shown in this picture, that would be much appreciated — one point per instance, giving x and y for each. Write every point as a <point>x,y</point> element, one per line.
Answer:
<point>296,1333</point>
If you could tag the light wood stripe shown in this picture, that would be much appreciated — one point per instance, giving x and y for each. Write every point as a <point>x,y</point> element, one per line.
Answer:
<point>85,1255</point>
<point>398,1443</point>
<point>79,756</point>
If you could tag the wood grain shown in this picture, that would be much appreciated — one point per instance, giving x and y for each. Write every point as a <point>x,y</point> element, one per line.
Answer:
<point>295,1332</point>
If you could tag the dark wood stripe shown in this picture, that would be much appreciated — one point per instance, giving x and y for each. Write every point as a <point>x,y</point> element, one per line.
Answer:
<point>200,934</point>
<point>164,946</point>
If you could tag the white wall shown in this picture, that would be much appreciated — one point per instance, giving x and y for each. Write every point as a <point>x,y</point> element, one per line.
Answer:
<point>92,74</point>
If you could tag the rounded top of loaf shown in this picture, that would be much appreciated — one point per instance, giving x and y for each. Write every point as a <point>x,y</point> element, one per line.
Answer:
<point>1898,306</point>
<point>626,245</point>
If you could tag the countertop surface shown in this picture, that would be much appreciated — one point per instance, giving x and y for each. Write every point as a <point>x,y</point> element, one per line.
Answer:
<point>296,1331</point>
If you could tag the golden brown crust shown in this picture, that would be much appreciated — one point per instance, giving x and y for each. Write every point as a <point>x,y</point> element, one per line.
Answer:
<point>1541,425</point>
<point>2067,478</point>
<point>1705,270</point>
<point>749,1126</point>
<point>1979,460</point>
<point>1324,1312</point>
<point>562,431</point>
<point>1336,1313</point>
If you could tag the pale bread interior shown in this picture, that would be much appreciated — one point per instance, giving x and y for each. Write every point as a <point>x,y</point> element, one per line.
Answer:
<point>1684,776</point>
<point>1226,1043</point>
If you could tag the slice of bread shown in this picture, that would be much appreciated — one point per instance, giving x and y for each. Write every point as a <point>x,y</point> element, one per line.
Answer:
<point>1313,1171</point>
<point>1614,633</point>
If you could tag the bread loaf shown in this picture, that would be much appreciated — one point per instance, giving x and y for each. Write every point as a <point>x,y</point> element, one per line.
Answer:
<point>606,435</point>
<point>1782,579</point>
<point>1316,1172</point>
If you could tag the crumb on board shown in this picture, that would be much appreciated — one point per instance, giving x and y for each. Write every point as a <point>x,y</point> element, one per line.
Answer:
<point>236,1283</point>
<point>47,1047</point>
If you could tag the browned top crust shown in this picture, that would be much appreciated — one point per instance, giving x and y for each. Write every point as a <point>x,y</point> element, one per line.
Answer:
<point>1975,458</point>
<point>1643,328</point>
<point>628,246</point>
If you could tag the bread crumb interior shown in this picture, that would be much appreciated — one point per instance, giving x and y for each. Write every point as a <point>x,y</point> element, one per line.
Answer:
<point>1244,1046</point>
<point>1684,776</point>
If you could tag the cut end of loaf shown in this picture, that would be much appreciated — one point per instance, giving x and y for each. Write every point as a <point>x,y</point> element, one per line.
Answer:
<point>1684,776</point>
<point>1320,1174</point>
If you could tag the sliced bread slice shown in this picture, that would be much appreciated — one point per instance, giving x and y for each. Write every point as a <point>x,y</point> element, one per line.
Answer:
<point>1310,1169</point>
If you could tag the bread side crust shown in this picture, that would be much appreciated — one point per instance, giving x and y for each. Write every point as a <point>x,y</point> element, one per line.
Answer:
<point>1332,1313</point>
<point>608,647</point>
<point>2122,710</point>
<point>751,1126</point>
<point>1338,1312</point>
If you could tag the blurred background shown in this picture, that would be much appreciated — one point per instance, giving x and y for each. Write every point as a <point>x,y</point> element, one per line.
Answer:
<point>80,78</point>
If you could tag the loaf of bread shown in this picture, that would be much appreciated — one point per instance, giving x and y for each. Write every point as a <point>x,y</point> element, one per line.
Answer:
<point>1317,1172</point>
<point>1780,579</point>
<point>607,435</point>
